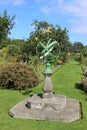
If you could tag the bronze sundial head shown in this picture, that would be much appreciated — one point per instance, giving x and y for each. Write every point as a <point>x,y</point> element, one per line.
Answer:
<point>47,51</point>
<point>50,49</point>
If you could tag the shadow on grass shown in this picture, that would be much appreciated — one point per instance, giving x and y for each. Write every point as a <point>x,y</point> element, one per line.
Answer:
<point>79,86</point>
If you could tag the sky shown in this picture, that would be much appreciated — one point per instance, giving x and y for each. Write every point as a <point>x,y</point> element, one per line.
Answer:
<point>70,14</point>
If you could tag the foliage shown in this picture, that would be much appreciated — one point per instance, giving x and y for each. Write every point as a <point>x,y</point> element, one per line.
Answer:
<point>77,57</point>
<point>43,32</point>
<point>10,53</point>
<point>34,60</point>
<point>3,52</point>
<point>4,43</point>
<point>84,78</point>
<point>25,52</point>
<point>41,26</point>
<point>63,56</point>
<point>17,76</point>
<point>17,51</point>
<point>84,83</point>
<point>6,24</point>
<point>24,58</point>
<point>13,50</point>
<point>84,51</point>
<point>84,56</point>
<point>17,42</point>
<point>77,47</point>
<point>64,82</point>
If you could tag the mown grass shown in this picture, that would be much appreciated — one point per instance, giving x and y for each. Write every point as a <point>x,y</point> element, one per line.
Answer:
<point>64,82</point>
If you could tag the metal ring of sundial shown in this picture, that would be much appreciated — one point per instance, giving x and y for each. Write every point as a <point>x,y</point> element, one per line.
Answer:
<point>47,50</point>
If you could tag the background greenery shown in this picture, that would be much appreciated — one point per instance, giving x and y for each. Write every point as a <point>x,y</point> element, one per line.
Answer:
<point>20,50</point>
<point>65,81</point>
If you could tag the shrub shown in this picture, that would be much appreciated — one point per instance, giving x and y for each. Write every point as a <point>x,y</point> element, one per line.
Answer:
<point>17,76</point>
<point>13,50</point>
<point>84,78</point>
<point>84,83</point>
<point>77,57</point>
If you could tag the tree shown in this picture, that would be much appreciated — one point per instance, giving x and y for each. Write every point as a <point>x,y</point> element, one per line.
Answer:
<point>18,42</point>
<point>40,25</point>
<point>13,50</point>
<point>77,47</point>
<point>10,53</point>
<point>44,31</point>
<point>6,24</point>
<point>5,42</point>
<point>41,33</point>
<point>61,35</point>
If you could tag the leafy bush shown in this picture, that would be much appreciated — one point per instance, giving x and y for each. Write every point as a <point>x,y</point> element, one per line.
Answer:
<point>84,51</point>
<point>84,83</point>
<point>84,78</point>
<point>13,50</point>
<point>77,57</point>
<point>10,53</point>
<point>17,76</point>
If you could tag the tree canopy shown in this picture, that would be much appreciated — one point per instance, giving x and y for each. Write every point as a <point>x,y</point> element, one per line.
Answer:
<point>6,24</point>
<point>77,47</point>
<point>44,31</point>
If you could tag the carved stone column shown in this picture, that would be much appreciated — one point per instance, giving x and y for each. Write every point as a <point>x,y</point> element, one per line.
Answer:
<point>47,87</point>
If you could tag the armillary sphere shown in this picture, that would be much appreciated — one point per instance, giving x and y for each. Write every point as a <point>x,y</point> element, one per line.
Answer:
<point>48,50</point>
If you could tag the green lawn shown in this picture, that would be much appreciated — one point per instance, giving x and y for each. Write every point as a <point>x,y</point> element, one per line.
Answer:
<point>64,82</point>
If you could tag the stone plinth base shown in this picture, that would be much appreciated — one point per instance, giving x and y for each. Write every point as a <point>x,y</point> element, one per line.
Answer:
<point>59,108</point>
<point>56,103</point>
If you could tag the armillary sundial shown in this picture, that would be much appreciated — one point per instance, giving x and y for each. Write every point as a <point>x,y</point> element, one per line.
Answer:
<point>45,52</point>
<point>48,106</point>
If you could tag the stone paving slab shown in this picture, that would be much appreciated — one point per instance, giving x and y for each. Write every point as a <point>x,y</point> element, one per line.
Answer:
<point>72,112</point>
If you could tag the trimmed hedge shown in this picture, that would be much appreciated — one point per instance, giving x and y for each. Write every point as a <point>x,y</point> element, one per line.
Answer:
<point>17,76</point>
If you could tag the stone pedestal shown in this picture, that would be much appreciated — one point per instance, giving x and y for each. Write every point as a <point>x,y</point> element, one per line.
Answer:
<point>48,106</point>
<point>58,109</point>
<point>56,103</point>
<point>47,87</point>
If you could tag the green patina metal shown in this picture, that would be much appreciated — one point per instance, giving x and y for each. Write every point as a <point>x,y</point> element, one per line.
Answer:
<point>47,51</point>
<point>48,68</point>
